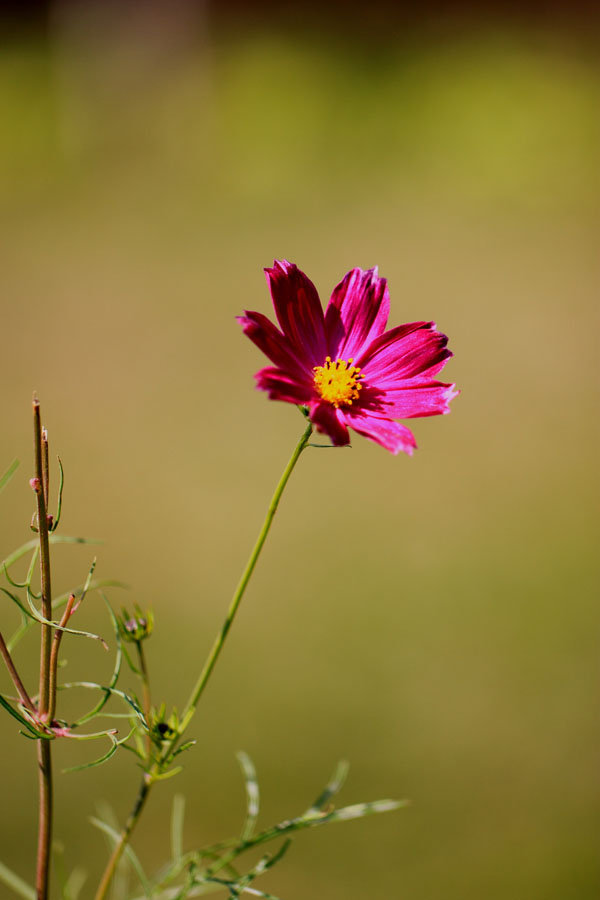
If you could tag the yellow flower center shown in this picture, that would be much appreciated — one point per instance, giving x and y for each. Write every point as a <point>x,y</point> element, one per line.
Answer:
<point>338,382</point>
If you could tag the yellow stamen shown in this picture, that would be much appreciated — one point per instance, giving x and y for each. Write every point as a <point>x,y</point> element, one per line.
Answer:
<point>338,382</point>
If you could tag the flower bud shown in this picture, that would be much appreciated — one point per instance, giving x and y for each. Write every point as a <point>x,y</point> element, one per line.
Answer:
<point>137,627</point>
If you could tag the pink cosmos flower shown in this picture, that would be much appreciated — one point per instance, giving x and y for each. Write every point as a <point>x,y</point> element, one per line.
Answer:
<point>343,365</point>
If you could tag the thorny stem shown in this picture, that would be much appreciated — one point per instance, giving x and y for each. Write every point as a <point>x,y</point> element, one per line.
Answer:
<point>205,674</point>
<point>40,486</point>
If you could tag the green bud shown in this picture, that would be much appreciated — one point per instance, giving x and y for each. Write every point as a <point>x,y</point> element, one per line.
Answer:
<point>137,627</point>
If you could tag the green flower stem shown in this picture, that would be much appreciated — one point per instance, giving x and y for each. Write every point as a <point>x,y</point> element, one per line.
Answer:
<point>132,821</point>
<point>146,693</point>
<point>205,674</point>
<point>243,583</point>
<point>46,703</point>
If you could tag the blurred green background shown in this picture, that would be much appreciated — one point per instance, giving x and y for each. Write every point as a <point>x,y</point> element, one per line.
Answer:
<point>431,619</point>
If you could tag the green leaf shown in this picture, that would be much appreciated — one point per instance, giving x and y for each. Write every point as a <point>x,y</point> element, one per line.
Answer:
<point>60,601</point>
<point>20,887</point>
<point>252,794</point>
<point>34,613</point>
<point>265,863</point>
<point>16,600</point>
<point>116,671</point>
<point>164,776</point>
<point>74,883</point>
<point>94,686</point>
<point>70,886</point>
<point>22,551</point>
<point>115,744</point>
<point>233,888</point>
<point>120,881</point>
<point>30,571</point>
<point>177,816</point>
<point>311,819</point>
<point>136,864</point>
<point>187,745</point>
<point>4,479</point>
<point>356,811</point>
<point>94,763</point>
<point>332,788</point>
<point>256,893</point>
<point>22,720</point>
<point>60,495</point>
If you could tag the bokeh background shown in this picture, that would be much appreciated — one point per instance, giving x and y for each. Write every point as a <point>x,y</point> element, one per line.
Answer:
<point>431,619</point>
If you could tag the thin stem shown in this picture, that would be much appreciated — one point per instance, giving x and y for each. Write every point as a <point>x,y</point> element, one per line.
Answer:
<point>24,696</point>
<point>206,671</point>
<point>45,467</point>
<point>40,490</point>
<point>243,582</point>
<point>45,818</point>
<point>146,693</point>
<point>40,486</point>
<point>124,838</point>
<point>56,640</point>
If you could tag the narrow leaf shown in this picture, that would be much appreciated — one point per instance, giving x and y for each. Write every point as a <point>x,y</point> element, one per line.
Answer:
<point>92,685</point>
<point>94,763</point>
<point>252,794</point>
<point>164,776</point>
<point>22,551</point>
<point>255,893</point>
<point>4,479</point>
<point>61,601</point>
<point>16,600</point>
<point>358,811</point>
<point>187,745</point>
<point>116,671</point>
<point>120,882</point>
<point>15,584</point>
<point>177,816</point>
<point>234,889</point>
<point>22,720</point>
<point>74,883</point>
<point>34,614</point>
<point>265,863</point>
<point>20,887</point>
<point>60,494</point>
<point>333,787</point>
<point>135,863</point>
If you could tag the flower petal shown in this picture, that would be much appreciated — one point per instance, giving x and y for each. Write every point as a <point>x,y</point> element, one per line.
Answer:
<point>391,435</point>
<point>404,352</point>
<point>271,341</point>
<point>431,398</point>
<point>281,386</point>
<point>299,311</point>
<point>357,312</point>
<point>328,420</point>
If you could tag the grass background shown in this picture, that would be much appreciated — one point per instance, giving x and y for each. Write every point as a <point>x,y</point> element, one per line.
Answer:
<point>432,619</point>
